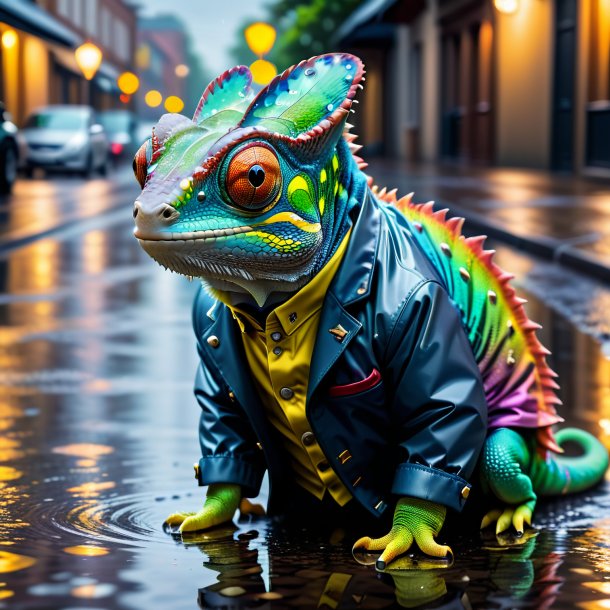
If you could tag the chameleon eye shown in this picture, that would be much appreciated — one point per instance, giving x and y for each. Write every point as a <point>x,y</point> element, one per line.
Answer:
<point>253,178</point>
<point>140,163</point>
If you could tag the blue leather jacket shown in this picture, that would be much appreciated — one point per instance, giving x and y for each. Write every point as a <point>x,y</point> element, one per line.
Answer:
<point>411,417</point>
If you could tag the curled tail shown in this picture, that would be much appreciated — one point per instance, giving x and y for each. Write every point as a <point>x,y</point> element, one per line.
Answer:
<point>561,474</point>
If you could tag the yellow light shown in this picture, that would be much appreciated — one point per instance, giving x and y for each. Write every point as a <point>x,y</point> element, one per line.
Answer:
<point>9,39</point>
<point>153,98</point>
<point>143,57</point>
<point>87,550</point>
<point>88,58</point>
<point>262,71</point>
<point>11,562</point>
<point>508,7</point>
<point>128,83</point>
<point>182,70</point>
<point>260,38</point>
<point>173,104</point>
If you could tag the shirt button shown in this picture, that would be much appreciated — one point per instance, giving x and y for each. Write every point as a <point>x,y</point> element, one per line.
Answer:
<point>276,336</point>
<point>308,439</point>
<point>323,466</point>
<point>286,393</point>
<point>277,351</point>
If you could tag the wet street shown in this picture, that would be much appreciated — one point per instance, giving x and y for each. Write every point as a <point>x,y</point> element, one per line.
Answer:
<point>98,434</point>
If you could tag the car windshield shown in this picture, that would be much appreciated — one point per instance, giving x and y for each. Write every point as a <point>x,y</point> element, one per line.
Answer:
<point>68,119</point>
<point>115,122</point>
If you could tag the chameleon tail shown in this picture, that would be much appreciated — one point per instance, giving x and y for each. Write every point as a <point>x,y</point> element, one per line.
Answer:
<point>560,474</point>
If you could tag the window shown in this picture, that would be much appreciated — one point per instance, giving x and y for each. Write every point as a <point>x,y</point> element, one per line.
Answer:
<point>91,17</point>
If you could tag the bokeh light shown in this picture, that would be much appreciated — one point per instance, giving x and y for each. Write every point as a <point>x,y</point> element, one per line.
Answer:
<point>260,38</point>
<point>128,83</point>
<point>182,70</point>
<point>9,39</point>
<point>153,98</point>
<point>508,7</point>
<point>88,58</point>
<point>262,71</point>
<point>173,104</point>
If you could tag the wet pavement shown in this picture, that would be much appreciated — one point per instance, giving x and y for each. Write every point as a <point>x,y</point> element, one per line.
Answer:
<point>556,216</point>
<point>98,434</point>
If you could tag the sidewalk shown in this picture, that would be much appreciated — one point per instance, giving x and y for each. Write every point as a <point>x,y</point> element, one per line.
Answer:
<point>558,217</point>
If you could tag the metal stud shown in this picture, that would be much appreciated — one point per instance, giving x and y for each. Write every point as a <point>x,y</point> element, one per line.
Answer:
<point>445,249</point>
<point>510,358</point>
<point>292,317</point>
<point>338,332</point>
<point>361,290</point>
<point>185,184</point>
<point>200,196</point>
<point>465,492</point>
<point>213,341</point>
<point>464,274</point>
<point>492,296</point>
<point>418,227</point>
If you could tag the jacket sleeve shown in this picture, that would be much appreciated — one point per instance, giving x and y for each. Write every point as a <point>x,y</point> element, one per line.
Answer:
<point>228,444</point>
<point>438,399</point>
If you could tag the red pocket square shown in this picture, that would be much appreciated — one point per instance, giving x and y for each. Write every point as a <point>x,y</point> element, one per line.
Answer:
<point>359,386</point>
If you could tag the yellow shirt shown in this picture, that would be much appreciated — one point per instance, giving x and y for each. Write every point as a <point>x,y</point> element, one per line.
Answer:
<point>279,357</point>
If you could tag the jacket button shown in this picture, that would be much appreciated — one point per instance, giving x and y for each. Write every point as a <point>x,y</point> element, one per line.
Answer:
<point>465,492</point>
<point>286,393</point>
<point>277,350</point>
<point>323,466</point>
<point>213,341</point>
<point>308,439</point>
<point>276,336</point>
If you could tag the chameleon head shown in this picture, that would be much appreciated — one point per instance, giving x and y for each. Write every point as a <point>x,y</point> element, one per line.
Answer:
<point>243,193</point>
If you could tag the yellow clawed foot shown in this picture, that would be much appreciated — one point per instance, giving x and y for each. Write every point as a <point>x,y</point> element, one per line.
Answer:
<point>398,542</point>
<point>515,516</point>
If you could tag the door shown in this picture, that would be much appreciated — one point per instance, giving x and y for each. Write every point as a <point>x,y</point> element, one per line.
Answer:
<point>562,153</point>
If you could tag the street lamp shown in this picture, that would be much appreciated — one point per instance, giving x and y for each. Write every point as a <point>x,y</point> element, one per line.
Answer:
<point>88,57</point>
<point>260,37</point>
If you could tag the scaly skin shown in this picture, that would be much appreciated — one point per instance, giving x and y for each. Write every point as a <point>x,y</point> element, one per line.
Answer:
<point>220,505</point>
<point>254,194</point>
<point>414,520</point>
<point>515,472</point>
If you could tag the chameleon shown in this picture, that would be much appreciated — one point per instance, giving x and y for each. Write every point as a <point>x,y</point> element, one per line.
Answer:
<point>254,195</point>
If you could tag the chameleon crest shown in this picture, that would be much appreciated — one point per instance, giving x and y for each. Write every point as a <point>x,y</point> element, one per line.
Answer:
<point>245,195</point>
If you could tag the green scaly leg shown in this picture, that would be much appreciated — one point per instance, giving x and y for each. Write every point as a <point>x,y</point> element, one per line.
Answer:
<point>414,520</point>
<point>505,462</point>
<point>220,505</point>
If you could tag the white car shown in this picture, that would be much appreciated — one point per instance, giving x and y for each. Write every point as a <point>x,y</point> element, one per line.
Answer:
<point>65,138</point>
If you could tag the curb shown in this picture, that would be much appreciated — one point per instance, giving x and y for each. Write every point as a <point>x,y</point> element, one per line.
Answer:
<point>540,245</point>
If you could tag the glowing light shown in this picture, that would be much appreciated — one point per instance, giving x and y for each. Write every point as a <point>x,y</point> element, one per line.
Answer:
<point>84,450</point>
<point>260,38</point>
<point>86,550</point>
<point>153,98</point>
<point>88,58</point>
<point>182,70</point>
<point>11,562</point>
<point>9,474</point>
<point>128,83</point>
<point>604,424</point>
<point>173,104</point>
<point>124,98</point>
<point>508,7</point>
<point>9,39</point>
<point>262,71</point>
<point>91,490</point>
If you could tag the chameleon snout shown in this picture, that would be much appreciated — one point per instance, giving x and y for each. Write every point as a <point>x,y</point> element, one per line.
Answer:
<point>151,219</point>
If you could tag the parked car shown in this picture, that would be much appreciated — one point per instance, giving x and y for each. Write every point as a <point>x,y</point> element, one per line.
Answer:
<point>9,151</point>
<point>121,129</point>
<point>66,137</point>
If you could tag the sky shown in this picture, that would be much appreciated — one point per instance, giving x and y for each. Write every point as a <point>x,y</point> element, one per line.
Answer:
<point>212,24</point>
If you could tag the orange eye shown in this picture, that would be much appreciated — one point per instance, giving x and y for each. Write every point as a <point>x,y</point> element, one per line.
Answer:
<point>253,178</point>
<point>140,163</point>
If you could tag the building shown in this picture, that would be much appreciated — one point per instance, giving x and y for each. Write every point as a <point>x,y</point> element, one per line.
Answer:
<point>38,65</point>
<point>506,82</point>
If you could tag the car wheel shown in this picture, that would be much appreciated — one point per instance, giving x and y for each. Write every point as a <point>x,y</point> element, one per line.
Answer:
<point>8,167</point>
<point>105,166</point>
<point>88,169</point>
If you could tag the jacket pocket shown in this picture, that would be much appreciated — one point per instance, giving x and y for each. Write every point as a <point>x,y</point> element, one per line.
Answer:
<point>357,387</point>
